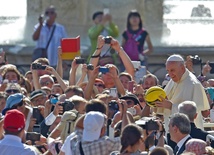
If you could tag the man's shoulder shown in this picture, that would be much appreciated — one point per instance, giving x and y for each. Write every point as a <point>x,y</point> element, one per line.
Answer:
<point>29,148</point>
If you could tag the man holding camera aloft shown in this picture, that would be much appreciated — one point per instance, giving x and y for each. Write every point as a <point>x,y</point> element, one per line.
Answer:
<point>48,34</point>
<point>100,19</point>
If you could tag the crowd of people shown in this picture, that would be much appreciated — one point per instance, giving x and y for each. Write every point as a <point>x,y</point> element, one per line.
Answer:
<point>104,112</point>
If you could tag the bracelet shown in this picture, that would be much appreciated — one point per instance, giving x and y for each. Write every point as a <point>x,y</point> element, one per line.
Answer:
<point>95,56</point>
<point>98,48</point>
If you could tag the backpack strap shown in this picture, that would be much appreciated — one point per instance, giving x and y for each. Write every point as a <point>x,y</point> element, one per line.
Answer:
<point>81,150</point>
<point>131,35</point>
<point>69,123</point>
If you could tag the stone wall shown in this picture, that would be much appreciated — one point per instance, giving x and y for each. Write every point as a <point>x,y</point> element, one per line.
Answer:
<point>76,15</point>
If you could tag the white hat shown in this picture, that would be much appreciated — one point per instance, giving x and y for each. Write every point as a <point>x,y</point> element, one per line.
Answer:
<point>93,123</point>
<point>175,57</point>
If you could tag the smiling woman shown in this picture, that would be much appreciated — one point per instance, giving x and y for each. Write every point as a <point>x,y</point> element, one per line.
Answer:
<point>13,19</point>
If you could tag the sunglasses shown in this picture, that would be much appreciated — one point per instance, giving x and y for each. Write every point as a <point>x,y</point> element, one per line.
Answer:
<point>12,91</point>
<point>99,85</point>
<point>18,105</point>
<point>45,83</point>
<point>49,12</point>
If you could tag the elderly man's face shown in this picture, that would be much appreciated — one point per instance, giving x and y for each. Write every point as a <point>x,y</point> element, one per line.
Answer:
<point>149,82</point>
<point>175,70</point>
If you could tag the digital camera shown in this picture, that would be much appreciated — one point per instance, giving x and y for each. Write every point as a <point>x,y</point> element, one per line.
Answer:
<point>113,105</point>
<point>107,40</point>
<point>90,67</point>
<point>38,66</point>
<point>80,61</point>
<point>196,59</point>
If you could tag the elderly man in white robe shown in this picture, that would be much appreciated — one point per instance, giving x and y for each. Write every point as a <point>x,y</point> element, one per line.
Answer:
<point>183,86</point>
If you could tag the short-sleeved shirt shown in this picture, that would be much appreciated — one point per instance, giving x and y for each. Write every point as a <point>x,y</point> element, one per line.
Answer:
<point>140,40</point>
<point>12,145</point>
<point>44,36</point>
<point>103,146</point>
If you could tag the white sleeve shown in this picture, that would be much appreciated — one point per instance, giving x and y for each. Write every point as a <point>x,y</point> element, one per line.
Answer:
<point>49,120</point>
<point>66,146</point>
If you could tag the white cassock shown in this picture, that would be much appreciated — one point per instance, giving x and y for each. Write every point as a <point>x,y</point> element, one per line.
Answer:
<point>187,89</point>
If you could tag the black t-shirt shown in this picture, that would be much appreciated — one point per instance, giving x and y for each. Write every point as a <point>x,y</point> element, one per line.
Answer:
<point>140,39</point>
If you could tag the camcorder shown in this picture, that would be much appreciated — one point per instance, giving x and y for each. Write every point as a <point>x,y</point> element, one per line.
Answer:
<point>107,40</point>
<point>196,59</point>
<point>113,105</point>
<point>80,61</point>
<point>38,66</point>
<point>148,123</point>
<point>67,105</point>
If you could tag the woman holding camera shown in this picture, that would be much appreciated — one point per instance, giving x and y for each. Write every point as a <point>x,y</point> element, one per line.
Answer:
<point>134,38</point>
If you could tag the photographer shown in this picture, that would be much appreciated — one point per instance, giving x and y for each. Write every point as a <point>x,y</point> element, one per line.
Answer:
<point>66,125</point>
<point>116,46</point>
<point>100,19</point>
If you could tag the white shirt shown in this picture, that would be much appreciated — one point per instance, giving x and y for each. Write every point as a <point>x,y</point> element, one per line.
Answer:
<point>44,36</point>
<point>66,146</point>
<point>182,141</point>
<point>12,145</point>
<point>49,120</point>
<point>187,89</point>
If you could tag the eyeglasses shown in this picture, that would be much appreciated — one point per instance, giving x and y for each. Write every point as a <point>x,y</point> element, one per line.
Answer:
<point>49,12</point>
<point>46,83</point>
<point>9,91</point>
<point>99,85</point>
<point>39,100</point>
<point>129,102</point>
<point>18,105</point>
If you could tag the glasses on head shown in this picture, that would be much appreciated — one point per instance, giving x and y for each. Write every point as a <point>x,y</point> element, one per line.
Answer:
<point>9,91</point>
<point>18,105</point>
<point>98,85</point>
<point>46,83</point>
<point>49,12</point>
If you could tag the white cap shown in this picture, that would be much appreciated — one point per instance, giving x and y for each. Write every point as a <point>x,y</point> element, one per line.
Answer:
<point>175,57</point>
<point>93,123</point>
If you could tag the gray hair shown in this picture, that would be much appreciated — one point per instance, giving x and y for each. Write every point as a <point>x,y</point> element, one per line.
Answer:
<point>148,76</point>
<point>181,121</point>
<point>188,108</point>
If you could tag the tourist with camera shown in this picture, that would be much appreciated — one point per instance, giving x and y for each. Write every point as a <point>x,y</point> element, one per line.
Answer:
<point>108,81</point>
<point>101,19</point>
<point>48,34</point>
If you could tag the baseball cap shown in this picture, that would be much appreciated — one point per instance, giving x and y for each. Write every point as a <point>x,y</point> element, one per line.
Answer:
<point>14,121</point>
<point>131,97</point>
<point>93,123</point>
<point>14,99</point>
<point>37,93</point>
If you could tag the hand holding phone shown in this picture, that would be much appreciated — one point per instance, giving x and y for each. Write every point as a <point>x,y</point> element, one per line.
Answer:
<point>37,115</point>
<point>33,136</point>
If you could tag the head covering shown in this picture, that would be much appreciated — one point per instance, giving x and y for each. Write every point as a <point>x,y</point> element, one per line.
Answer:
<point>37,93</point>
<point>14,121</point>
<point>131,97</point>
<point>93,123</point>
<point>14,99</point>
<point>99,80</point>
<point>175,57</point>
<point>196,146</point>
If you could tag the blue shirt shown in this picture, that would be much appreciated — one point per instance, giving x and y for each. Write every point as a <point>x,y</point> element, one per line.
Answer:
<point>11,145</point>
<point>44,36</point>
